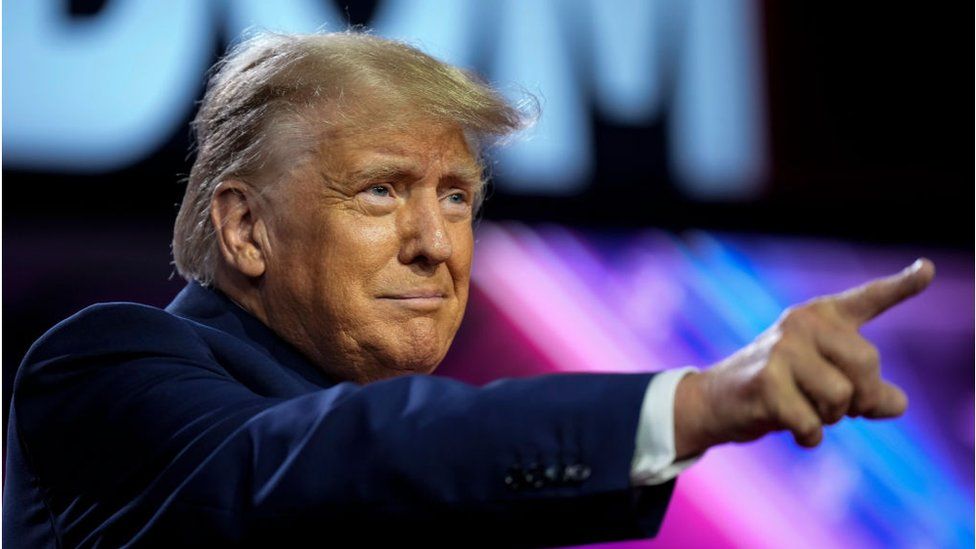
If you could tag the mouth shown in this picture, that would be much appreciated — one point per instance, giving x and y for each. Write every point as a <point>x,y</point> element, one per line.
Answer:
<point>421,300</point>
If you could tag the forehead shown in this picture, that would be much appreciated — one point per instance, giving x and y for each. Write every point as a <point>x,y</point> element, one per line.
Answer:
<point>416,138</point>
<point>416,146</point>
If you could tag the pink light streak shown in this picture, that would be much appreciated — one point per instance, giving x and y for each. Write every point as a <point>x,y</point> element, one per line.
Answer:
<point>535,291</point>
<point>731,493</point>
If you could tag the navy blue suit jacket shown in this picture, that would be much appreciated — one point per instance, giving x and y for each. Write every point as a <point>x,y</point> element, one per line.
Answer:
<point>197,424</point>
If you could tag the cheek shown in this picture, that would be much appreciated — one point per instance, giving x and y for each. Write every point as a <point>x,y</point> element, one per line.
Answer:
<point>460,262</point>
<point>368,243</point>
<point>353,245</point>
<point>350,264</point>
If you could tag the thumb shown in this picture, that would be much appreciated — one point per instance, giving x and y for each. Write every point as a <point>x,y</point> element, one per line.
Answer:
<point>893,402</point>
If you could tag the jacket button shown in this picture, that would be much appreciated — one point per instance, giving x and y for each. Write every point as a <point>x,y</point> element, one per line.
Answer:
<point>552,474</point>
<point>534,476</point>
<point>515,478</point>
<point>576,472</point>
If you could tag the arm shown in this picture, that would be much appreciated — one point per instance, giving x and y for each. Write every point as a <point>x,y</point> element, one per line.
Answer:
<point>140,435</point>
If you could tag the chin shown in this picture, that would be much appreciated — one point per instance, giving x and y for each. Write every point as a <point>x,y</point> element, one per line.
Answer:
<point>421,345</point>
<point>403,357</point>
<point>419,363</point>
<point>416,346</point>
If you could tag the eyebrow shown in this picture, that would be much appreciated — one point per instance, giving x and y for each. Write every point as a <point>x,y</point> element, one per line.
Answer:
<point>382,172</point>
<point>467,174</point>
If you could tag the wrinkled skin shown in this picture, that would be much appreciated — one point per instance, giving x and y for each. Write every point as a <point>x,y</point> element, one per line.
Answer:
<point>361,257</point>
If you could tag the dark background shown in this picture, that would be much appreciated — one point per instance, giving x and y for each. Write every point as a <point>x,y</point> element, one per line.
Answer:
<point>866,119</point>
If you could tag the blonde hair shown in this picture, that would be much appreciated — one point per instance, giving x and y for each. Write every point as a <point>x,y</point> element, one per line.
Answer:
<point>264,88</point>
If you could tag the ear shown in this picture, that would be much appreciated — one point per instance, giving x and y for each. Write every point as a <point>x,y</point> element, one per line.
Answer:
<point>240,230</point>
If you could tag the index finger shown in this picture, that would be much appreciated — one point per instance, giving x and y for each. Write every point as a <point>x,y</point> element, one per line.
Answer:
<point>867,301</point>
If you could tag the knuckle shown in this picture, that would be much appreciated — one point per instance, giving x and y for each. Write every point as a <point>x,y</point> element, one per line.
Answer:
<point>819,311</point>
<point>821,305</point>
<point>798,318</point>
<point>780,351</point>
<point>837,402</point>
<point>843,392</point>
<point>836,399</point>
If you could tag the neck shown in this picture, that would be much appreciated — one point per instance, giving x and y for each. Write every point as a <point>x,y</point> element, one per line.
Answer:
<point>243,292</point>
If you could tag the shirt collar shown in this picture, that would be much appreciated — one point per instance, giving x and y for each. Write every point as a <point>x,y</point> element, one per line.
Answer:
<point>213,308</point>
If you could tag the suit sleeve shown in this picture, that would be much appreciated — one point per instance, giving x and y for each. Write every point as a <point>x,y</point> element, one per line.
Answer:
<point>139,436</point>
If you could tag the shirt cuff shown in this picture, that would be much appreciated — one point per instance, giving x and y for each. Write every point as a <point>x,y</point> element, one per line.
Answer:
<point>654,454</point>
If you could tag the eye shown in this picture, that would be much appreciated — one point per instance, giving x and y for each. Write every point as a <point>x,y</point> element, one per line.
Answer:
<point>457,197</point>
<point>379,190</point>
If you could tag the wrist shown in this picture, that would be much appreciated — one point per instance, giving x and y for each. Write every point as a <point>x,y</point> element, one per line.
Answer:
<point>692,421</point>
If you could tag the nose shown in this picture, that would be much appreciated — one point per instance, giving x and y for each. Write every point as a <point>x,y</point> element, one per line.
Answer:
<point>424,236</point>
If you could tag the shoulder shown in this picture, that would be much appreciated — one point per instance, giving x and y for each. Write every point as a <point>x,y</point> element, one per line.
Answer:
<point>115,327</point>
<point>117,330</point>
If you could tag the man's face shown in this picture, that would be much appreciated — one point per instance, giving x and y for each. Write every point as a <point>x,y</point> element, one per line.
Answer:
<point>370,250</point>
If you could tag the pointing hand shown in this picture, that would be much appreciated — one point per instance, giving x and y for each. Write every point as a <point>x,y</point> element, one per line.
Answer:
<point>811,368</point>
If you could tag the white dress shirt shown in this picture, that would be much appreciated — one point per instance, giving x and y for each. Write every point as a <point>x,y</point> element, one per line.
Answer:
<point>655,451</point>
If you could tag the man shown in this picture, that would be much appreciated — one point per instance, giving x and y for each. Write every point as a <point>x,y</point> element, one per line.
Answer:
<point>326,234</point>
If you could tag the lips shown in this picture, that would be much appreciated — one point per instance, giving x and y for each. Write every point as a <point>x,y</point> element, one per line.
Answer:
<point>417,301</point>
<point>416,294</point>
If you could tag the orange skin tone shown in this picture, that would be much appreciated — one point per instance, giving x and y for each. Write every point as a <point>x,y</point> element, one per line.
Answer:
<point>361,258</point>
